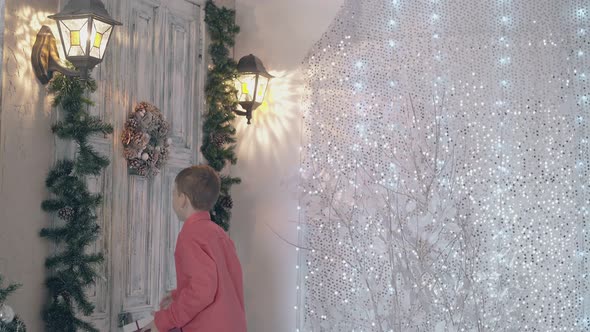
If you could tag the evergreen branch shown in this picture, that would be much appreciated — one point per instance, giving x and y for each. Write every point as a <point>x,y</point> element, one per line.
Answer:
<point>89,162</point>
<point>68,187</point>
<point>5,292</point>
<point>73,258</point>
<point>218,131</point>
<point>16,325</point>
<point>85,326</point>
<point>52,205</point>
<point>62,168</point>
<point>59,315</point>
<point>73,269</point>
<point>228,181</point>
<point>57,234</point>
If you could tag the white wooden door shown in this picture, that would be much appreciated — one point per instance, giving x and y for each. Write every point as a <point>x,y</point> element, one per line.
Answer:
<point>157,56</point>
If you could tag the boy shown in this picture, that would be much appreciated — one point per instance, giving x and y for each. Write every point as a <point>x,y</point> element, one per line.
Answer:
<point>209,294</point>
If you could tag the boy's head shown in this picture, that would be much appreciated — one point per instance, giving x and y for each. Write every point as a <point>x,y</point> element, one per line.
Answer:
<point>196,189</point>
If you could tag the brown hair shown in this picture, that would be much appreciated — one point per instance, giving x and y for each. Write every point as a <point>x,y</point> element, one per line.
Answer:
<point>201,185</point>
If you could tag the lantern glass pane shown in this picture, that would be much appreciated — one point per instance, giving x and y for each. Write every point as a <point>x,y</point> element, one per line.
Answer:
<point>246,85</point>
<point>74,33</point>
<point>101,33</point>
<point>261,90</point>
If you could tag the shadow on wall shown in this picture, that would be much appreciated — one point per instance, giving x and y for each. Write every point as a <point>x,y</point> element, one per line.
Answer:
<point>22,24</point>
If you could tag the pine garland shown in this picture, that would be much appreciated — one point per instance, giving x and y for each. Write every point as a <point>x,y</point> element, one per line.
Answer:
<point>16,325</point>
<point>218,132</point>
<point>72,269</point>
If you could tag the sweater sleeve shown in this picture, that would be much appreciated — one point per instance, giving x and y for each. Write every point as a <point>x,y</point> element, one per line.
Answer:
<point>199,293</point>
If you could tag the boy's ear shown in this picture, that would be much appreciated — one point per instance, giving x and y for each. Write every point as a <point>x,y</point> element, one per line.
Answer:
<point>184,199</point>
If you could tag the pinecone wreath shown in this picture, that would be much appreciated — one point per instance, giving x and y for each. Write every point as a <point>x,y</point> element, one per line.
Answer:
<point>146,140</point>
<point>227,202</point>
<point>66,213</point>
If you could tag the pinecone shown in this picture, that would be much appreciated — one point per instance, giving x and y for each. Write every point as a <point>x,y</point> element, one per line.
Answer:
<point>151,108</point>
<point>126,137</point>
<point>129,153</point>
<point>155,157</point>
<point>137,139</point>
<point>132,123</point>
<point>226,202</point>
<point>141,106</point>
<point>66,213</point>
<point>142,170</point>
<point>218,139</point>
<point>136,163</point>
<point>164,128</point>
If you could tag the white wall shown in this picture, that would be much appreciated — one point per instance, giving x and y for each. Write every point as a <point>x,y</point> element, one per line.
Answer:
<point>2,4</point>
<point>26,153</point>
<point>280,32</point>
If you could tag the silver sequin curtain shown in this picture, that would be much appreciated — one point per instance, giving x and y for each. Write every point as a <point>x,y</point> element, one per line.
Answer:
<point>445,168</point>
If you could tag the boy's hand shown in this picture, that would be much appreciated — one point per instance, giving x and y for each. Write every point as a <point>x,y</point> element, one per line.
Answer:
<point>151,327</point>
<point>166,301</point>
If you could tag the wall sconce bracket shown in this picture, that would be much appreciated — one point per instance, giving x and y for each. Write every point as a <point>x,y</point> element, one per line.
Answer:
<point>45,57</point>
<point>247,114</point>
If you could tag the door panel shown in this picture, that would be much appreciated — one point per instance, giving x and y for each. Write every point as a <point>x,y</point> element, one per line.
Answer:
<point>156,56</point>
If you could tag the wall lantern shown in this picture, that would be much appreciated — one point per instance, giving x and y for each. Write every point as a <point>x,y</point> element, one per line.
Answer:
<point>85,28</point>
<point>251,84</point>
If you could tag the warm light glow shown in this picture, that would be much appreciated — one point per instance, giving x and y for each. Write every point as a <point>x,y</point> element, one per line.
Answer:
<point>275,120</point>
<point>251,90</point>
<point>245,89</point>
<point>97,40</point>
<point>246,86</point>
<point>75,38</point>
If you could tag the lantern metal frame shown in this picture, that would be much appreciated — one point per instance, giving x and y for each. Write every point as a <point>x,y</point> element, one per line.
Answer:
<point>45,56</point>
<point>251,65</point>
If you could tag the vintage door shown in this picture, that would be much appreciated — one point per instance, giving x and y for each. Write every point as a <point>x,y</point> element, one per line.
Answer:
<point>157,56</point>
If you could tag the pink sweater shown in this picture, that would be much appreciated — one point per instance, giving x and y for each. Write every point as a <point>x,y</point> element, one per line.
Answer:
<point>209,293</point>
